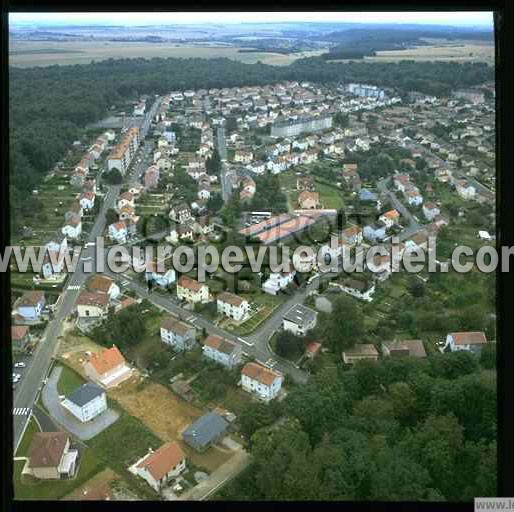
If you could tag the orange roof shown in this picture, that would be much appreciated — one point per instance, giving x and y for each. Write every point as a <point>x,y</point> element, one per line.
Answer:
<point>306,195</point>
<point>87,298</point>
<point>231,298</point>
<point>313,347</point>
<point>162,461</point>
<point>352,231</point>
<point>99,284</point>
<point>391,214</point>
<point>190,284</point>
<point>220,344</point>
<point>468,338</point>
<point>106,360</point>
<point>260,373</point>
<point>18,332</point>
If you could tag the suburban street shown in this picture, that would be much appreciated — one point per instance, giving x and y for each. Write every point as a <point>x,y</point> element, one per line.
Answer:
<point>27,391</point>
<point>221,145</point>
<point>414,225</point>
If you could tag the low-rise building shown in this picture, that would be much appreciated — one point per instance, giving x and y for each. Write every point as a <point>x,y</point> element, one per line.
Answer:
<point>352,235</point>
<point>430,211</point>
<point>205,431</point>
<point>222,350</point>
<point>469,341</point>
<point>92,304</point>
<point>406,348</point>
<point>260,381</point>
<point>233,306</point>
<point>107,368</point>
<point>308,200</point>
<point>179,335</point>
<point>192,291</point>
<point>30,305</point>
<point>50,456</point>
<point>299,320</point>
<point>20,337</point>
<point>159,467</point>
<point>103,284</point>
<point>86,402</point>
<point>390,218</point>
<point>360,352</point>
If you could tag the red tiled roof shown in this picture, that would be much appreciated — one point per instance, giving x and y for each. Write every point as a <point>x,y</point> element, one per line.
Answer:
<point>162,461</point>
<point>106,360</point>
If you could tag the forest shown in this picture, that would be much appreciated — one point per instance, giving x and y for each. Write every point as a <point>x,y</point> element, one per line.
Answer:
<point>50,106</point>
<point>395,430</point>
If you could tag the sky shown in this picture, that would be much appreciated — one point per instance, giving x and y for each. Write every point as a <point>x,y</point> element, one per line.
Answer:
<point>476,19</point>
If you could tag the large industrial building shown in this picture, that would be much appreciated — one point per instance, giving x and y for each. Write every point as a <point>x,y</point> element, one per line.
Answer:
<point>301,125</point>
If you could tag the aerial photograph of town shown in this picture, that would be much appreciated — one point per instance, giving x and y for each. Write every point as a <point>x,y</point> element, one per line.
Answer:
<point>253,258</point>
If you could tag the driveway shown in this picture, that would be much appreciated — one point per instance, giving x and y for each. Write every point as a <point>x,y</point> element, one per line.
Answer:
<point>218,478</point>
<point>66,420</point>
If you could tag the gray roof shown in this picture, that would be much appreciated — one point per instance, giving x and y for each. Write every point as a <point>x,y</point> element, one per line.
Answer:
<point>85,393</point>
<point>205,429</point>
<point>300,315</point>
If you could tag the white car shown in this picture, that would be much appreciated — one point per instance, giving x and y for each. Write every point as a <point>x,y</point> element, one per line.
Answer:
<point>16,377</point>
<point>20,364</point>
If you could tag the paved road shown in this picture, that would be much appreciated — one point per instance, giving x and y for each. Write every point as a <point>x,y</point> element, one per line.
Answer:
<point>83,431</point>
<point>221,144</point>
<point>230,469</point>
<point>413,226</point>
<point>444,164</point>
<point>259,338</point>
<point>26,392</point>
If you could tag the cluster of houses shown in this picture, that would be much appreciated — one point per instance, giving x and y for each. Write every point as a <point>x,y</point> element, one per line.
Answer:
<point>403,183</point>
<point>454,342</point>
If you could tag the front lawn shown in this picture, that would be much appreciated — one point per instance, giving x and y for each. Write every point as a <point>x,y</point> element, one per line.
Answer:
<point>69,381</point>
<point>29,488</point>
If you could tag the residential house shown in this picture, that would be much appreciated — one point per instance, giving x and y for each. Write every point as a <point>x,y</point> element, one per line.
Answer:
<point>390,218</point>
<point>107,368</point>
<point>151,178</point>
<point>20,337</point>
<point>352,235</point>
<point>222,350</point>
<point>465,189</point>
<point>92,304</point>
<point>375,232</point>
<point>278,281</point>
<point>180,213</point>
<point>50,456</point>
<point>179,335</point>
<point>126,199</point>
<point>87,200</point>
<point>357,288</point>
<point>118,232</point>
<point>299,320</point>
<point>87,402</point>
<point>73,228</point>
<point>233,306</point>
<point>242,156</point>
<point>308,200</point>
<point>192,291</point>
<point>261,381</point>
<point>430,210</point>
<point>30,305</point>
<point>406,348</point>
<point>360,352</point>
<point>103,284</point>
<point>160,467</point>
<point>205,431</point>
<point>305,183</point>
<point>312,349</point>
<point>470,341</point>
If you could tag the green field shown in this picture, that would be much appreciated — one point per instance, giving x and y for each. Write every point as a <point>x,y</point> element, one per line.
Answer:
<point>69,381</point>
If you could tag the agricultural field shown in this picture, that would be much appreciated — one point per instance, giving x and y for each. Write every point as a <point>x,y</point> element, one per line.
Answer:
<point>48,53</point>
<point>441,50</point>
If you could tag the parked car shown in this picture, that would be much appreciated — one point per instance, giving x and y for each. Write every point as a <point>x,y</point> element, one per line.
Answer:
<point>20,364</point>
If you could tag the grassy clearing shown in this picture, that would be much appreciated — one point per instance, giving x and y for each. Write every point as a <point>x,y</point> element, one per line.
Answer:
<point>69,381</point>
<point>329,196</point>
<point>24,445</point>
